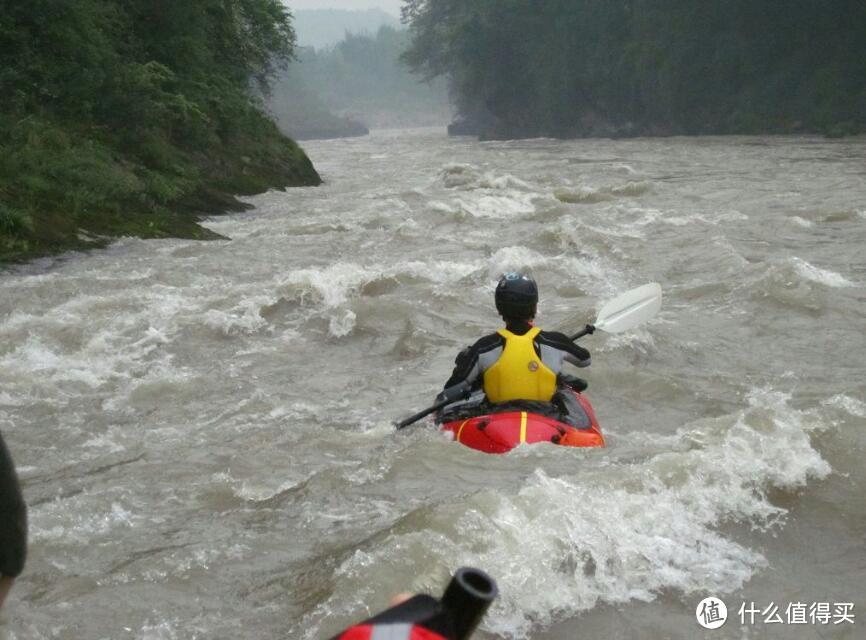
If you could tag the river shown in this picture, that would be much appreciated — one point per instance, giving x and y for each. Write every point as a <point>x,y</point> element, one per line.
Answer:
<point>203,429</point>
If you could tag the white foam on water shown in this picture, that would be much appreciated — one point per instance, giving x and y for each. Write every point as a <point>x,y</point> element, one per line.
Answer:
<point>163,630</point>
<point>104,444</point>
<point>851,405</point>
<point>408,224</point>
<point>256,489</point>
<point>638,188</point>
<point>91,341</point>
<point>28,632</point>
<point>678,221</point>
<point>490,180</point>
<point>457,174</point>
<point>468,176</point>
<point>441,207</point>
<point>74,520</point>
<point>611,532</point>
<point>644,217</point>
<point>591,269</point>
<point>499,207</point>
<point>593,274</point>
<point>638,340</point>
<point>149,388</point>
<point>515,259</point>
<point>624,168</point>
<point>30,280</point>
<point>608,224</point>
<point>801,222</point>
<point>732,216</point>
<point>35,358</point>
<point>243,318</point>
<point>821,276</point>
<point>438,271</point>
<point>341,325</point>
<point>730,251</point>
<point>332,284</point>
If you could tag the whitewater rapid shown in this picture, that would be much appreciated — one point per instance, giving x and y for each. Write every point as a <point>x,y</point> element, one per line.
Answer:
<point>204,429</point>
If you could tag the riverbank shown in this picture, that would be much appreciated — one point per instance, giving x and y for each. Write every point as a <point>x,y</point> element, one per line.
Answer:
<point>119,120</point>
<point>62,192</point>
<point>595,125</point>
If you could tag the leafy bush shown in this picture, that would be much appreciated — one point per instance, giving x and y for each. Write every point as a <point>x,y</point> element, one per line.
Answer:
<point>13,223</point>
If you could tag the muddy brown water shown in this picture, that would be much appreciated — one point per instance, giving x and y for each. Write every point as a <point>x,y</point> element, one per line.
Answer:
<point>204,435</point>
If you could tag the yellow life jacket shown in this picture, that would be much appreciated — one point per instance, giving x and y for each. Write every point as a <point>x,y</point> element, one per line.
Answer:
<point>519,373</point>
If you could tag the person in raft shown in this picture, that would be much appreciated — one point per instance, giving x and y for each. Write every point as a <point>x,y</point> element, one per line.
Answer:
<point>519,367</point>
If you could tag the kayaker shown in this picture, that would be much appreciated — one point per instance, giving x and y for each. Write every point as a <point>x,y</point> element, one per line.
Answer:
<point>522,363</point>
<point>13,524</point>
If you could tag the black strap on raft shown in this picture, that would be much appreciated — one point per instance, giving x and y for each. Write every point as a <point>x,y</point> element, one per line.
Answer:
<point>578,384</point>
<point>453,617</point>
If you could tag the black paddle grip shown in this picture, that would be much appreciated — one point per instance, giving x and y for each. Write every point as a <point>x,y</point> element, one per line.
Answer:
<point>453,617</point>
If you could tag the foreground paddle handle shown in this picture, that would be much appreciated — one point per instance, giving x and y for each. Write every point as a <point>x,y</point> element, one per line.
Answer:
<point>467,598</point>
<point>454,617</point>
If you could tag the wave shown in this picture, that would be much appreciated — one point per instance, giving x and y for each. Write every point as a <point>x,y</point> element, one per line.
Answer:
<point>591,195</point>
<point>608,533</point>
<point>468,177</point>
<point>797,283</point>
<point>853,406</point>
<point>821,276</point>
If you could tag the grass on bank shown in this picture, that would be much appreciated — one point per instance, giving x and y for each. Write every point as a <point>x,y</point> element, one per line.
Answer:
<point>62,189</point>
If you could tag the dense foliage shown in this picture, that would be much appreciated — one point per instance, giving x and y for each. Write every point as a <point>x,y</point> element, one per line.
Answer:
<point>122,116</point>
<point>363,77</point>
<point>621,67</point>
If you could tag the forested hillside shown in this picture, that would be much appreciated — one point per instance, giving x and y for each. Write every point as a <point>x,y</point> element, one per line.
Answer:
<point>130,117</point>
<point>634,67</point>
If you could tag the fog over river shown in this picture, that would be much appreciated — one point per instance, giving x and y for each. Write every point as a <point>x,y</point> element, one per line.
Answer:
<point>203,429</point>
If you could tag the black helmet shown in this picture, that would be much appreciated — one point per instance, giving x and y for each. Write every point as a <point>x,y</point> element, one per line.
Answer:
<point>516,296</point>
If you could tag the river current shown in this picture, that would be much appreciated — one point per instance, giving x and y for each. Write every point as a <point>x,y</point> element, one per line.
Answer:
<point>203,429</point>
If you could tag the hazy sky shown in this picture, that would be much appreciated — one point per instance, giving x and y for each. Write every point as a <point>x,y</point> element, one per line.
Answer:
<point>391,6</point>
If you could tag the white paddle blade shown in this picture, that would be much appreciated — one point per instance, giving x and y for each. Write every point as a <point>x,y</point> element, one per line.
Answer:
<point>630,309</point>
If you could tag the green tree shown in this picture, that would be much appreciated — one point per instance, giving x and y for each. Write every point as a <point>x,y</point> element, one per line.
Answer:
<point>596,67</point>
<point>118,116</point>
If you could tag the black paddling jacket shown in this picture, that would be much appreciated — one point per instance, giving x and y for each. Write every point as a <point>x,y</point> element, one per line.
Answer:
<point>553,348</point>
<point>13,518</point>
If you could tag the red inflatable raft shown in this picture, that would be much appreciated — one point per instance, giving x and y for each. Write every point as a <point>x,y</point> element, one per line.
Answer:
<point>501,432</point>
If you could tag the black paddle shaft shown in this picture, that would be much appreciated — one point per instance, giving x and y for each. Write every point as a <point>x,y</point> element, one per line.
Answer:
<point>450,395</point>
<point>585,331</point>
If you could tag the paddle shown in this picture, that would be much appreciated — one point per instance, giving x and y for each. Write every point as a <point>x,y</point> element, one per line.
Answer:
<point>450,395</point>
<point>626,311</point>
<point>620,314</point>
